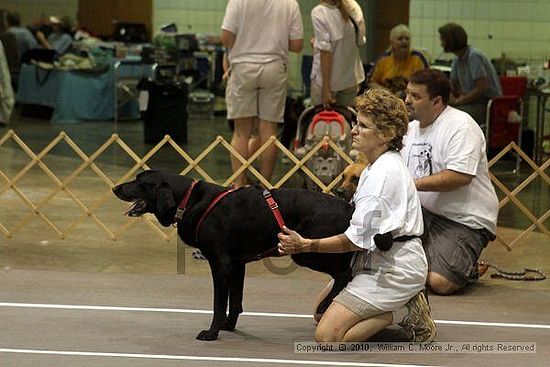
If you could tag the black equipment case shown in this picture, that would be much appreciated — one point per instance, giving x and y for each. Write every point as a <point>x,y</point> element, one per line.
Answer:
<point>166,112</point>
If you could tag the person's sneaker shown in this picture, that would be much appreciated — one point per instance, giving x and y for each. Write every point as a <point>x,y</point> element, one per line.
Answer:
<point>419,321</point>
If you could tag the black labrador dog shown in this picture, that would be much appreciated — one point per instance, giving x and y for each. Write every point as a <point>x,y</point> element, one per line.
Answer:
<point>240,228</point>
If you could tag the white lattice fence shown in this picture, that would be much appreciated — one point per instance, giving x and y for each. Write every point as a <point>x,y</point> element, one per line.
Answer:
<point>64,211</point>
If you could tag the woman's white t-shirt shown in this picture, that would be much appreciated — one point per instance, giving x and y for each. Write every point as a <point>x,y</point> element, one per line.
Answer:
<point>386,201</point>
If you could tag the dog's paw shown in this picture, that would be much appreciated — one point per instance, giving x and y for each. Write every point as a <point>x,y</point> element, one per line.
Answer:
<point>207,335</point>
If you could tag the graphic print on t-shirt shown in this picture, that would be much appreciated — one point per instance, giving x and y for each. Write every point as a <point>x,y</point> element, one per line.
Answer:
<point>420,157</point>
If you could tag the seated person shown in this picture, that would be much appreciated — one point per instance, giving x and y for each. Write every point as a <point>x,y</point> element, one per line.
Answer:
<point>60,39</point>
<point>23,37</point>
<point>473,78</point>
<point>393,69</point>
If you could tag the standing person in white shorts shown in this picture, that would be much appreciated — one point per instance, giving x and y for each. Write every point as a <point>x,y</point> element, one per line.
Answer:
<point>389,267</point>
<point>337,69</point>
<point>258,36</point>
<point>445,153</point>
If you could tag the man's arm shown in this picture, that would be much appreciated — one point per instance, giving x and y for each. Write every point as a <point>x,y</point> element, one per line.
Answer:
<point>447,180</point>
<point>455,89</point>
<point>228,38</point>
<point>296,45</point>
<point>43,41</point>
<point>480,87</point>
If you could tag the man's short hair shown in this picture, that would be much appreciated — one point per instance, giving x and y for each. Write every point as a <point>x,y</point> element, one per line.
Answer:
<point>437,83</point>
<point>454,37</point>
<point>13,19</point>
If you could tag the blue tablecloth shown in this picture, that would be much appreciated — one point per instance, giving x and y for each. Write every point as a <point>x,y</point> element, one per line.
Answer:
<point>75,95</point>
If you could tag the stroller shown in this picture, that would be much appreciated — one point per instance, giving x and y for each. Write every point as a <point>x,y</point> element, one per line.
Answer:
<point>314,124</point>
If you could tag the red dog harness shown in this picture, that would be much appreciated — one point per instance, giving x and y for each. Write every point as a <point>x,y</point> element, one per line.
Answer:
<point>267,196</point>
<point>274,208</point>
<point>181,208</point>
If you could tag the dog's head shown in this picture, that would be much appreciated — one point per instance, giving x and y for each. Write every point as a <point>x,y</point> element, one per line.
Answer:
<point>397,85</point>
<point>351,176</point>
<point>150,192</point>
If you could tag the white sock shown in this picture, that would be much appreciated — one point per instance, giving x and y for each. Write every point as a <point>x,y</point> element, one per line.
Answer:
<point>399,315</point>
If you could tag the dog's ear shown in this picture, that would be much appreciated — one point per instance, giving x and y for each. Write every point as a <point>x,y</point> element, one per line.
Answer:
<point>166,206</point>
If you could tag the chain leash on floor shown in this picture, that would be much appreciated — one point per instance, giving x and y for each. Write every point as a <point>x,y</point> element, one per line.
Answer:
<point>528,274</point>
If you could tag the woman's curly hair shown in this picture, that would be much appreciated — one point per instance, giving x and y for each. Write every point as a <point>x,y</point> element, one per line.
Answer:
<point>388,113</point>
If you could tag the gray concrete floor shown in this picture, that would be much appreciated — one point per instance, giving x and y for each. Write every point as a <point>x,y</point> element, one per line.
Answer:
<point>59,297</point>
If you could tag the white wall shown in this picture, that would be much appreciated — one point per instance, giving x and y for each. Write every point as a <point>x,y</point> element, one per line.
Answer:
<point>520,29</point>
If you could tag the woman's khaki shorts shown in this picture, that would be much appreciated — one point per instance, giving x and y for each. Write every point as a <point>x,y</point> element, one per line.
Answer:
<point>257,90</point>
<point>361,308</point>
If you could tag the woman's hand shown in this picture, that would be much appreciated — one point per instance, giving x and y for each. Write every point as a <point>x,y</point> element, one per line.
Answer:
<point>290,242</point>
<point>40,36</point>
<point>327,98</point>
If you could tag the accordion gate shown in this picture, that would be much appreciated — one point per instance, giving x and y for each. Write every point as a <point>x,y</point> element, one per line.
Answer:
<point>35,209</point>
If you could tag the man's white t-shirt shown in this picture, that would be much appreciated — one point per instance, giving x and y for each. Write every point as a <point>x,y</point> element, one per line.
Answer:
<point>263,29</point>
<point>334,35</point>
<point>454,141</point>
<point>386,201</point>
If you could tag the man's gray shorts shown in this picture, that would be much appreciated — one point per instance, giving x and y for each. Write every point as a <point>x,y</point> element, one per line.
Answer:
<point>452,248</point>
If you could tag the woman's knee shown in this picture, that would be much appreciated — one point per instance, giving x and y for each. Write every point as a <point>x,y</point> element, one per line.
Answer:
<point>324,333</point>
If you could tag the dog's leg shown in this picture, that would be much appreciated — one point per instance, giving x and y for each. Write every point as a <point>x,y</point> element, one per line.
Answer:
<point>235,297</point>
<point>220,276</point>
<point>340,282</point>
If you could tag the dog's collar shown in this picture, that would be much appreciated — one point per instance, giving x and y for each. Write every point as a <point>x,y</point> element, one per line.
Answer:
<point>184,201</point>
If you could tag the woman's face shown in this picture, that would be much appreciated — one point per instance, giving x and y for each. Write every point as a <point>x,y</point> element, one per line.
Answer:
<point>401,43</point>
<point>366,137</point>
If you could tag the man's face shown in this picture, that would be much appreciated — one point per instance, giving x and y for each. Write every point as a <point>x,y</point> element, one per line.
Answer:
<point>419,105</point>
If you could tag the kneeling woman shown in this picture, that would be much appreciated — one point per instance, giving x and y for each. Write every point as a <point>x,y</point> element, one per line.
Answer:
<point>387,285</point>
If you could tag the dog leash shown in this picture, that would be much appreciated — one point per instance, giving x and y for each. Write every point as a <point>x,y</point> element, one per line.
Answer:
<point>528,274</point>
